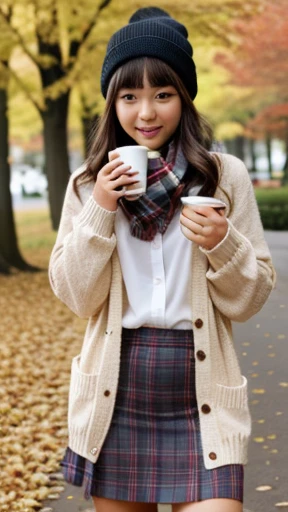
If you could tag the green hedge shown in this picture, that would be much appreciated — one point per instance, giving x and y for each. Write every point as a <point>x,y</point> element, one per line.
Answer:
<point>273,207</point>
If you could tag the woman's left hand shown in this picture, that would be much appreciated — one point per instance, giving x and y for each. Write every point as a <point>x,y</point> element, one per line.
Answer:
<point>204,225</point>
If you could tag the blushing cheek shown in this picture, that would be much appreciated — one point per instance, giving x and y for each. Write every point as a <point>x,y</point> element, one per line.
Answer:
<point>125,117</point>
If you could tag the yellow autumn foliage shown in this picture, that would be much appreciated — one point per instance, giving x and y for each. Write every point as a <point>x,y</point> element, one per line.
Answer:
<point>207,22</point>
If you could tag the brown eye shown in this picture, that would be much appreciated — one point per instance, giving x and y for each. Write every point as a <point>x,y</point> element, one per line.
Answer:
<point>164,95</point>
<point>128,97</point>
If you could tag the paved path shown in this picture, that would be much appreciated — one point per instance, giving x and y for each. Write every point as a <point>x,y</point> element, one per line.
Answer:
<point>29,203</point>
<point>261,344</point>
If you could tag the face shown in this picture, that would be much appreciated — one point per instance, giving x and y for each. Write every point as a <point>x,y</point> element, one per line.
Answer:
<point>149,115</point>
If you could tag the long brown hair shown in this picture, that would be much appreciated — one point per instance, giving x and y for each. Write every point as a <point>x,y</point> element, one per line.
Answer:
<point>194,133</point>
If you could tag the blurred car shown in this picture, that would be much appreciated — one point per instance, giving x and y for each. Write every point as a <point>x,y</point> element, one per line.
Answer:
<point>28,181</point>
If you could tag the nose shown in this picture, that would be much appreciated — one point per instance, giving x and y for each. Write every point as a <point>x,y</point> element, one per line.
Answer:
<point>147,111</point>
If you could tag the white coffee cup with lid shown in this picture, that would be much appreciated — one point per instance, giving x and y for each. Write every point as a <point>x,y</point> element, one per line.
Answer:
<point>137,158</point>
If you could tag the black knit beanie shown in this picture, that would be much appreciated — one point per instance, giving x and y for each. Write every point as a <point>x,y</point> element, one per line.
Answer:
<point>151,32</point>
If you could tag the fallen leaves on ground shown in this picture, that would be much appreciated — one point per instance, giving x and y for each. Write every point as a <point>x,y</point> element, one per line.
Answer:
<point>259,439</point>
<point>38,338</point>
<point>263,488</point>
<point>259,391</point>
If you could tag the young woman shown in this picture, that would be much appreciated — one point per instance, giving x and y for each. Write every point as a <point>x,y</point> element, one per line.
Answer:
<point>158,406</point>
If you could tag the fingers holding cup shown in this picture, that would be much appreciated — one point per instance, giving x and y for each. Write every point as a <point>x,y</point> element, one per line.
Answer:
<point>203,222</point>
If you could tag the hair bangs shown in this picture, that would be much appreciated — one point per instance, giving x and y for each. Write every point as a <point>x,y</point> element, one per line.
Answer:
<point>131,74</point>
<point>160,74</point>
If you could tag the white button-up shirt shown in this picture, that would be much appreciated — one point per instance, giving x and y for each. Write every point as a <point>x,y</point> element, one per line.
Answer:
<point>157,276</point>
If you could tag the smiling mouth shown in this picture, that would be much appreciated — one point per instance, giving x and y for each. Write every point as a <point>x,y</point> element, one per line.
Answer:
<point>149,132</point>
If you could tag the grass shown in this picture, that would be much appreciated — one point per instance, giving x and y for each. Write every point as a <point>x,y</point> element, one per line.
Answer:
<point>272,196</point>
<point>34,229</point>
<point>35,235</point>
<point>273,206</point>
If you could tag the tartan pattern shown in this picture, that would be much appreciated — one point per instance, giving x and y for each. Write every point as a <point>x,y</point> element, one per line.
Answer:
<point>153,452</point>
<point>153,211</point>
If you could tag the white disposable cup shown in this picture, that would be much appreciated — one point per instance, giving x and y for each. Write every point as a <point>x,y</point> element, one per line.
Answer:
<point>200,201</point>
<point>203,201</point>
<point>137,158</point>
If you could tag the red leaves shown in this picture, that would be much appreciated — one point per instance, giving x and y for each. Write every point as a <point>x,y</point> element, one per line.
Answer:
<point>260,61</point>
<point>261,57</point>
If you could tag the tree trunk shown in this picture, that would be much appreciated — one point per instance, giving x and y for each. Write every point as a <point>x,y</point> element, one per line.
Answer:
<point>229,145</point>
<point>55,113</point>
<point>9,252</point>
<point>56,153</point>
<point>235,146</point>
<point>268,152</point>
<point>285,167</point>
<point>251,144</point>
<point>239,147</point>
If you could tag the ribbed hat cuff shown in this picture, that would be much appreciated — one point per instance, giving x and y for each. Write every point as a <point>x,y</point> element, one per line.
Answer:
<point>167,51</point>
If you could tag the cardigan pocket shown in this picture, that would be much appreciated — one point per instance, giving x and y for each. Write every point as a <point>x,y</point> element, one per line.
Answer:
<point>81,396</point>
<point>231,402</point>
<point>232,397</point>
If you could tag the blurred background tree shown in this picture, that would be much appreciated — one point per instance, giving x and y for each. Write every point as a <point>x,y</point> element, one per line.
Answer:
<point>10,255</point>
<point>49,35</point>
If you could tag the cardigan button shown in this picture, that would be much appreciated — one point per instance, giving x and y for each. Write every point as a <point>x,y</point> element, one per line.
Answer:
<point>212,456</point>
<point>107,392</point>
<point>205,409</point>
<point>201,355</point>
<point>198,323</point>
<point>94,450</point>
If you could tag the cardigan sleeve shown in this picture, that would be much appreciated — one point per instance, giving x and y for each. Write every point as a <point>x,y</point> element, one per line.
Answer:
<point>80,263</point>
<point>240,273</point>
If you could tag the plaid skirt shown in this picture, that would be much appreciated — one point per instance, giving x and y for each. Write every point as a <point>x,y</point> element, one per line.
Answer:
<point>153,452</point>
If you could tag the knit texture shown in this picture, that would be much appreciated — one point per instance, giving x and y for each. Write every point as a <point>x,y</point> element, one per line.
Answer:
<point>151,32</point>
<point>229,283</point>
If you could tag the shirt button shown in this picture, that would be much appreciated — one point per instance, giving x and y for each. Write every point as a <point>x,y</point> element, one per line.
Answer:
<point>107,392</point>
<point>198,323</point>
<point>157,280</point>
<point>212,456</point>
<point>201,355</point>
<point>94,450</point>
<point>205,409</point>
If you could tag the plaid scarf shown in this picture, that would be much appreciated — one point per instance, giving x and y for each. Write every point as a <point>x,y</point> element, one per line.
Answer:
<point>153,211</point>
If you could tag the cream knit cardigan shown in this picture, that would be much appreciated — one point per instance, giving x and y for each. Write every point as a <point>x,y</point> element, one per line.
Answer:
<point>229,283</point>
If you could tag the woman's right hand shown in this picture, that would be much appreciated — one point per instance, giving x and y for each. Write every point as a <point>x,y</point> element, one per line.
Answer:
<point>111,181</point>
